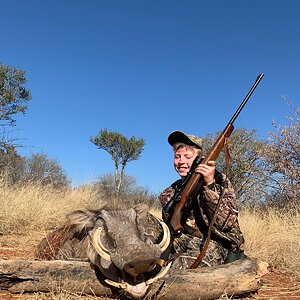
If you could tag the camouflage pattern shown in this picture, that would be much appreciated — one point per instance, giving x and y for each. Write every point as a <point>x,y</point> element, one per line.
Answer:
<point>187,139</point>
<point>187,249</point>
<point>226,234</point>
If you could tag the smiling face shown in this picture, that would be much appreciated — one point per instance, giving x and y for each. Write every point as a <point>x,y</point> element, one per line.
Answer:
<point>183,158</point>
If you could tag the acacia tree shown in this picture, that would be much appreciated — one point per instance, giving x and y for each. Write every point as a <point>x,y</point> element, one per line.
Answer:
<point>121,149</point>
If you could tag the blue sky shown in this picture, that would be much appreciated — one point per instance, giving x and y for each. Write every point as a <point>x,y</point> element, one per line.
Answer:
<point>146,68</point>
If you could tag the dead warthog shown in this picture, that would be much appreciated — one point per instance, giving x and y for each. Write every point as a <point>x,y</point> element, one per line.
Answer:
<point>126,246</point>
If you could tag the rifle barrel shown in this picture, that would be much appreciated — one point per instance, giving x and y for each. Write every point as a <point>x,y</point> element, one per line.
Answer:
<point>258,79</point>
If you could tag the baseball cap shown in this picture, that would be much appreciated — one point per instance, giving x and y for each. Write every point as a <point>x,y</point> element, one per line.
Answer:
<point>188,139</point>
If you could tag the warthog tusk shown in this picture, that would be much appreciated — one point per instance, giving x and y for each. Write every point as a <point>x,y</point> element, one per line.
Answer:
<point>136,291</point>
<point>118,285</point>
<point>166,237</point>
<point>162,273</point>
<point>96,240</point>
<point>124,285</point>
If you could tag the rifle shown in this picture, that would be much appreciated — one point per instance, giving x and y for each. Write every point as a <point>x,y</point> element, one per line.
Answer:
<point>193,182</point>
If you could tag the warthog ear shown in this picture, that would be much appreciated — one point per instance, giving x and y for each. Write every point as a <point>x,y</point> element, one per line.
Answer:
<point>83,219</point>
<point>141,210</point>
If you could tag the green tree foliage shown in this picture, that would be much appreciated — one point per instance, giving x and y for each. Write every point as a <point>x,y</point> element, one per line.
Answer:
<point>13,95</point>
<point>121,149</point>
<point>13,100</point>
<point>247,169</point>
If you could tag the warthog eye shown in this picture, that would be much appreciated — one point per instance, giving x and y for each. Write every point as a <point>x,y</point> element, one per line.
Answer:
<point>152,265</point>
<point>110,242</point>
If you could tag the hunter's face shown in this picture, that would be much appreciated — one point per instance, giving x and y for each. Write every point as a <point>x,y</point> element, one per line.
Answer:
<point>183,160</point>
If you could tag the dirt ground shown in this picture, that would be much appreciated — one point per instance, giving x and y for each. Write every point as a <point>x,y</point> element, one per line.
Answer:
<point>275,285</point>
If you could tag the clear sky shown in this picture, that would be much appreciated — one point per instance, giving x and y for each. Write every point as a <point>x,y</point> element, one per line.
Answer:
<point>146,68</point>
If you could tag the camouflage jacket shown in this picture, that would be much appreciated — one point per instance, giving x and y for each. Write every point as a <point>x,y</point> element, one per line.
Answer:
<point>196,220</point>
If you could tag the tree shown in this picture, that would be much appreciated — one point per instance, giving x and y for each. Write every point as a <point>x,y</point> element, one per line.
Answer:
<point>130,192</point>
<point>247,170</point>
<point>11,163</point>
<point>13,100</point>
<point>13,95</point>
<point>121,149</point>
<point>284,160</point>
<point>45,171</point>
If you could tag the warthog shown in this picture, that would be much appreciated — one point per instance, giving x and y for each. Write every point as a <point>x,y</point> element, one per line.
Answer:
<point>126,246</point>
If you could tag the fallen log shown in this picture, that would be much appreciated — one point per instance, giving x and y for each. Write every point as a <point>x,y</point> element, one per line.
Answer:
<point>239,277</point>
<point>18,276</point>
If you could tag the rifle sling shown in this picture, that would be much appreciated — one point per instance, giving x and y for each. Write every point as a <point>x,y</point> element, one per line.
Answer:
<point>200,257</point>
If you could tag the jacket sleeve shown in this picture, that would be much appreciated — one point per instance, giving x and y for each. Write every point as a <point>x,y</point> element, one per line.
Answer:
<point>166,195</point>
<point>228,211</point>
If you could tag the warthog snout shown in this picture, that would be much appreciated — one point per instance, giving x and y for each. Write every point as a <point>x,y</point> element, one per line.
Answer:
<point>140,265</point>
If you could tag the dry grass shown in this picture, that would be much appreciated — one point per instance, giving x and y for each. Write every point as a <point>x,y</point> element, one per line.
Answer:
<point>28,212</point>
<point>34,207</point>
<point>273,236</point>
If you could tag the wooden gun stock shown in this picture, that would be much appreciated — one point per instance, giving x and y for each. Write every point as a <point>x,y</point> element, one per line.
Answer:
<point>195,182</point>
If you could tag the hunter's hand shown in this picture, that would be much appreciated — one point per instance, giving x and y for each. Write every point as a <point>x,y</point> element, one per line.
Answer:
<point>207,171</point>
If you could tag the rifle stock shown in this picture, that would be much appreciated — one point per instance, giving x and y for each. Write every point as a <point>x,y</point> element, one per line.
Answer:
<point>195,182</point>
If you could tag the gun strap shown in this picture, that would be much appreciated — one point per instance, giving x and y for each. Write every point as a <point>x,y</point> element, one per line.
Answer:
<point>227,154</point>
<point>200,257</point>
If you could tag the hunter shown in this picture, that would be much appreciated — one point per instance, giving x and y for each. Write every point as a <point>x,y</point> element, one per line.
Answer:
<point>226,242</point>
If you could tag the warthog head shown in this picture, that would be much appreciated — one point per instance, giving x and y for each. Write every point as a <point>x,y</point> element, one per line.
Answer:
<point>124,245</point>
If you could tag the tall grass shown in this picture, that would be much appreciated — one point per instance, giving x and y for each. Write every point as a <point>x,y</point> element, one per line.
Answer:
<point>34,207</point>
<point>272,236</point>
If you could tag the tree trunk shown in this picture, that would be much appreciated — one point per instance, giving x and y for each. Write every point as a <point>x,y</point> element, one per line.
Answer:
<point>116,179</point>
<point>236,278</point>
